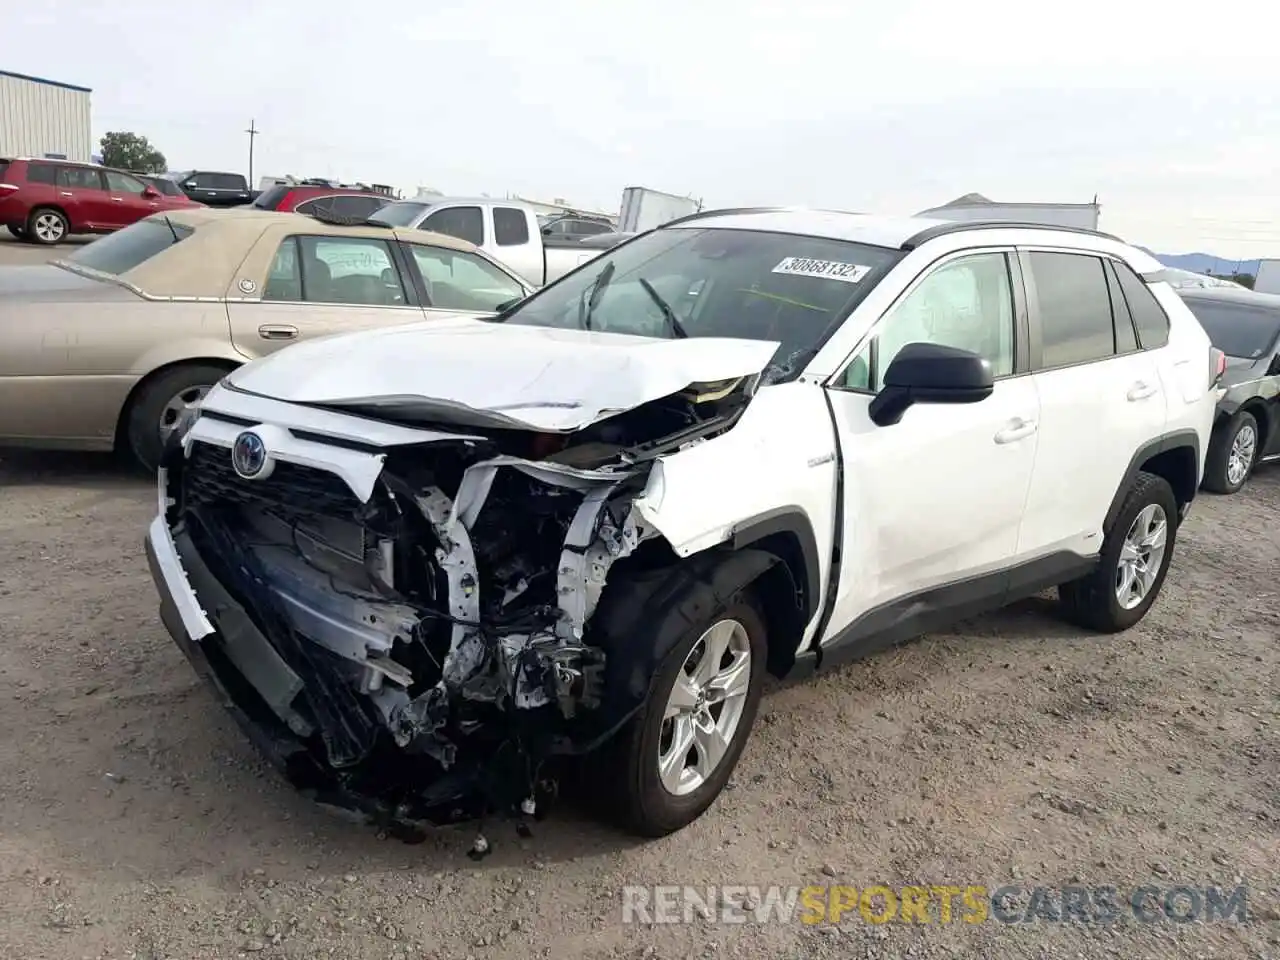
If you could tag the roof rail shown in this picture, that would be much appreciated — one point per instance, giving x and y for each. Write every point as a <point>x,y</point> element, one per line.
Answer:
<point>962,226</point>
<point>723,212</point>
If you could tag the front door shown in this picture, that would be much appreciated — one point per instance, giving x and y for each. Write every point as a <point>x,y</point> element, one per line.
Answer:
<point>933,504</point>
<point>127,200</point>
<point>322,285</point>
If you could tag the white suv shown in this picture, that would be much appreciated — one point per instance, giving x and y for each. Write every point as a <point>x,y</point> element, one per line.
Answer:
<point>421,561</point>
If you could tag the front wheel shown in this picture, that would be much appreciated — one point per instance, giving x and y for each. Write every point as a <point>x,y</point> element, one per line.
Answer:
<point>679,753</point>
<point>1133,563</point>
<point>1233,450</point>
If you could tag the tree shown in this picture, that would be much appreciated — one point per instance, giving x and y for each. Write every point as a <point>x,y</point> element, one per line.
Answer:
<point>1244,279</point>
<point>128,151</point>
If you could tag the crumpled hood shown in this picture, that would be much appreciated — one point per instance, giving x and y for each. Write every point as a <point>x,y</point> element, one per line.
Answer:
<point>478,373</point>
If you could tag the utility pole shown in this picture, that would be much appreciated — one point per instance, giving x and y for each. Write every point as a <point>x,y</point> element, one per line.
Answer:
<point>253,131</point>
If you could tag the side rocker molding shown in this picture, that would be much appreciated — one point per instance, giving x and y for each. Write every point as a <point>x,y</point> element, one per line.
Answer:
<point>788,521</point>
<point>1149,451</point>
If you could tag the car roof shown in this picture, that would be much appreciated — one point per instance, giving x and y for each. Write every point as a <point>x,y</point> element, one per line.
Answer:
<point>907,233</point>
<point>1242,296</point>
<point>204,264</point>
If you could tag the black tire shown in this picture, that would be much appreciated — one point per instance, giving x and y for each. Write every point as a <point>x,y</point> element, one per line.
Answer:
<point>142,437</point>
<point>643,804</point>
<point>1219,456</point>
<point>17,230</point>
<point>33,236</point>
<point>1091,601</point>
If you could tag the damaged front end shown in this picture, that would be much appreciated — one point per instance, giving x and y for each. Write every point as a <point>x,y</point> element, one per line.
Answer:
<point>404,625</point>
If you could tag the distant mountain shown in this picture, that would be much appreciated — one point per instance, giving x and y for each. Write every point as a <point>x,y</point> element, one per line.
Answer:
<point>1206,263</point>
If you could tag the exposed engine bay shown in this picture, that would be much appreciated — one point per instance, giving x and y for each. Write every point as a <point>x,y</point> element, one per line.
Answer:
<point>429,648</point>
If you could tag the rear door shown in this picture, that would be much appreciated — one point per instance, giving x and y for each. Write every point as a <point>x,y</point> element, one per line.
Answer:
<point>83,196</point>
<point>1101,398</point>
<point>319,285</point>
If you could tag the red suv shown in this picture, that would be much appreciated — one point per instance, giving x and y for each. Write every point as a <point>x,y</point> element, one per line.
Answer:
<point>355,202</point>
<point>45,201</point>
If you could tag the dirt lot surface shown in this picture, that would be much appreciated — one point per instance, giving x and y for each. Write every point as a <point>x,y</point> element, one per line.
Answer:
<point>137,822</point>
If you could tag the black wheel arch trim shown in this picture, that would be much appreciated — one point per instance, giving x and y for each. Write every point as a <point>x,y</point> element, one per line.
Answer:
<point>656,595</point>
<point>792,520</point>
<point>1163,444</point>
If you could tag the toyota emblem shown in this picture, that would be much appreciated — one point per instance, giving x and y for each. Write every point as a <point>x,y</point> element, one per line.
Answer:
<point>249,457</point>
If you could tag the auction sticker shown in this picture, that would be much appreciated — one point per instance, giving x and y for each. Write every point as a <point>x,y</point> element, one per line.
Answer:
<point>826,269</point>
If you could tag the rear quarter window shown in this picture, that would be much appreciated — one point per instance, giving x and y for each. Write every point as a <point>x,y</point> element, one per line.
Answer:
<point>1148,316</point>
<point>120,252</point>
<point>4,166</point>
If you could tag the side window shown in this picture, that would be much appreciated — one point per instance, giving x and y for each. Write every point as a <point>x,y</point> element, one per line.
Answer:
<point>42,173</point>
<point>1126,338</point>
<point>465,223</point>
<point>79,178</point>
<point>1075,308</point>
<point>284,280</point>
<point>354,270</point>
<point>119,183</point>
<point>462,281</point>
<point>965,303</point>
<point>1148,316</point>
<point>510,227</point>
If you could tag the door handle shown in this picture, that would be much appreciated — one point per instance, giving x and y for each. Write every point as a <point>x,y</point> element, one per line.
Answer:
<point>277,331</point>
<point>67,193</point>
<point>1016,430</point>
<point>117,199</point>
<point>1140,391</point>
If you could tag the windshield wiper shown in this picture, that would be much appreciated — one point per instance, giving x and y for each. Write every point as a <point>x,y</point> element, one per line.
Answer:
<point>592,295</point>
<point>677,328</point>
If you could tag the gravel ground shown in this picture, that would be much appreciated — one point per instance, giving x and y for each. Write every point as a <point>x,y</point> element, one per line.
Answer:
<point>136,821</point>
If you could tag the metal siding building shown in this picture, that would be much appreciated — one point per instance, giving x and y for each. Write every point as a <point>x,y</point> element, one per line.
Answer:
<point>43,117</point>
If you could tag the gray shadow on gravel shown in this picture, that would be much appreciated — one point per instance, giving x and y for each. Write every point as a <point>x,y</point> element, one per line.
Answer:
<point>28,468</point>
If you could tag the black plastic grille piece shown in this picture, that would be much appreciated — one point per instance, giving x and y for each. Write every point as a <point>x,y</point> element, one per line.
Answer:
<point>209,480</point>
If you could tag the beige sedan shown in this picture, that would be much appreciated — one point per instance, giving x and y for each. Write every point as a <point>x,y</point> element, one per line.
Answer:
<point>108,348</point>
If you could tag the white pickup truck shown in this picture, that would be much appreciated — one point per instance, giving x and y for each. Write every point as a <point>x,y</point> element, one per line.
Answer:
<point>420,561</point>
<point>507,230</point>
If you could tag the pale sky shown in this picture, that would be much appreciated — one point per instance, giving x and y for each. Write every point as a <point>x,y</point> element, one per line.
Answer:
<point>1168,112</point>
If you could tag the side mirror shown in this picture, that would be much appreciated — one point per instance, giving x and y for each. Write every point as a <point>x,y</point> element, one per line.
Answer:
<point>151,193</point>
<point>930,373</point>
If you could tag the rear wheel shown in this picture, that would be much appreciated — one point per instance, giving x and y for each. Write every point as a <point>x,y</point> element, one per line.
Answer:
<point>1233,450</point>
<point>160,405</point>
<point>47,226</point>
<point>1133,563</point>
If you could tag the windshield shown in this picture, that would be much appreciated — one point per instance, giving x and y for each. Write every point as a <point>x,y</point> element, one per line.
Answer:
<point>400,213</point>
<point>704,282</point>
<point>123,250</point>
<point>1237,329</point>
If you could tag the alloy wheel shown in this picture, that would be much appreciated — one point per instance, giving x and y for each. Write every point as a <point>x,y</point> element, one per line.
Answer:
<point>1141,556</point>
<point>1240,459</point>
<point>49,227</point>
<point>704,708</point>
<point>178,407</point>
